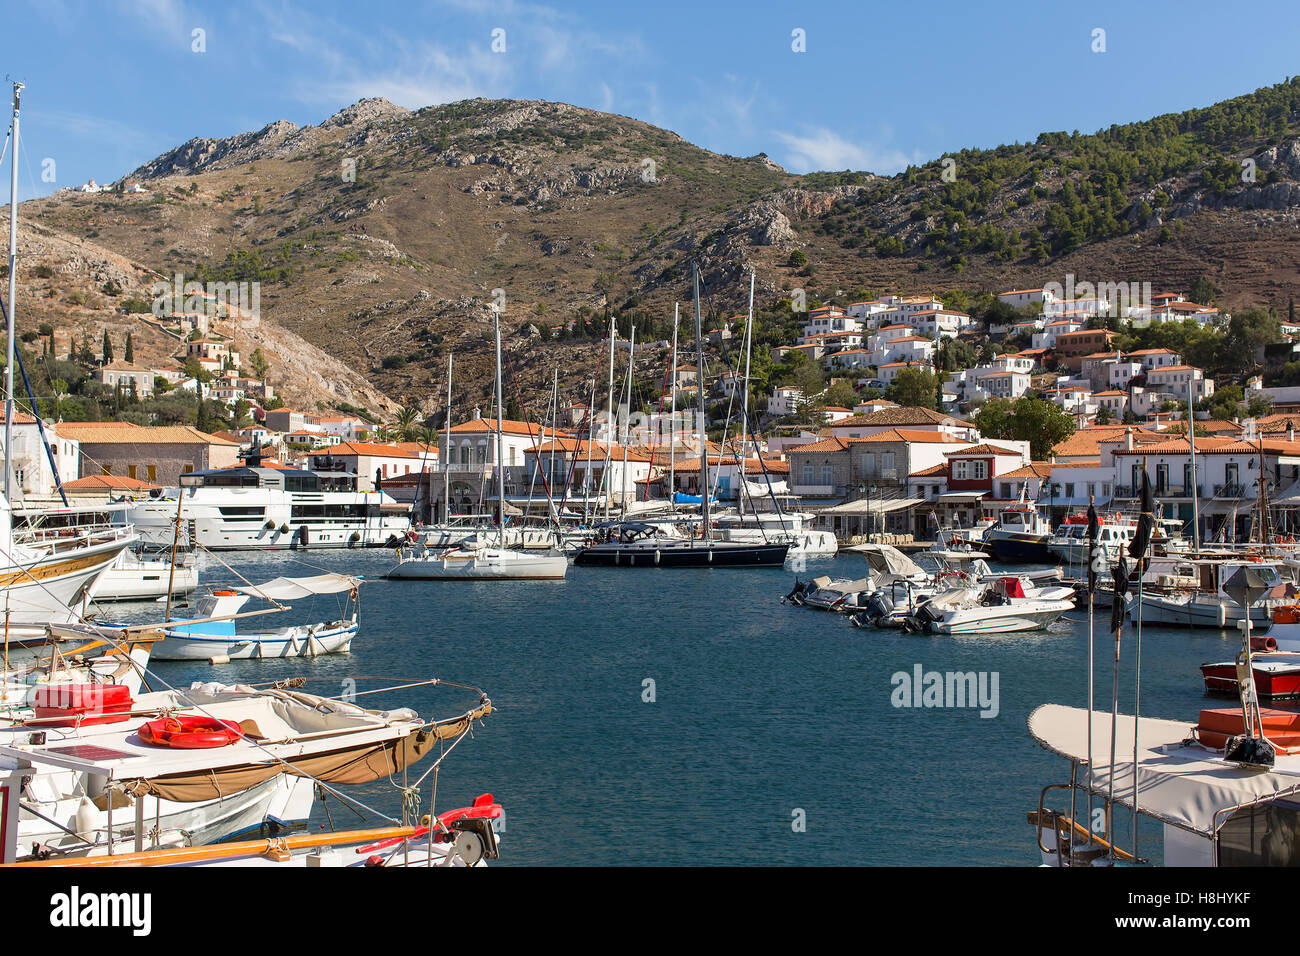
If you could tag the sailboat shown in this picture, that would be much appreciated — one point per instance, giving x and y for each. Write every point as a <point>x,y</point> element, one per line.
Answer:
<point>483,557</point>
<point>639,544</point>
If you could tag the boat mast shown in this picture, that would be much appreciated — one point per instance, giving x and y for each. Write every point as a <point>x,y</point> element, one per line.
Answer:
<point>609,420</point>
<point>446,465</point>
<point>555,425</point>
<point>672,417</point>
<point>703,433</point>
<point>627,422</point>
<point>501,474</point>
<point>13,289</point>
<point>1191,442</point>
<point>744,408</point>
<point>586,475</point>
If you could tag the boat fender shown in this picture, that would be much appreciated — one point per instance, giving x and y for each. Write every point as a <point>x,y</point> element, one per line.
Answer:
<point>284,528</point>
<point>354,538</point>
<point>301,535</point>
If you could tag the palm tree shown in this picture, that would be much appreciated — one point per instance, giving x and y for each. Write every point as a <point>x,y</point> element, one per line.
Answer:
<point>407,424</point>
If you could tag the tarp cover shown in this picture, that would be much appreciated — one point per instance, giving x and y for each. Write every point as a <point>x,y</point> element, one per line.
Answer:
<point>348,766</point>
<point>1182,785</point>
<point>886,559</point>
<point>288,589</point>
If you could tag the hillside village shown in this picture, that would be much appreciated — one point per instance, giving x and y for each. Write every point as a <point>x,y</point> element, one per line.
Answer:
<point>893,444</point>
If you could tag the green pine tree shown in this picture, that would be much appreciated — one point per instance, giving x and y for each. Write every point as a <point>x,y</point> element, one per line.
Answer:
<point>107,348</point>
<point>130,352</point>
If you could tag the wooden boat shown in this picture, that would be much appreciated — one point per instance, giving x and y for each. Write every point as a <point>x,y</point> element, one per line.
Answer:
<point>214,636</point>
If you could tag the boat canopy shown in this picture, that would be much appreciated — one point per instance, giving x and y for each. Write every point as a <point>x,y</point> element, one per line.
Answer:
<point>287,589</point>
<point>886,559</point>
<point>682,498</point>
<point>1182,784</point>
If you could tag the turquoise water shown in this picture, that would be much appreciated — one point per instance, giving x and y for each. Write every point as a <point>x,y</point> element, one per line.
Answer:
<point>760,711</point>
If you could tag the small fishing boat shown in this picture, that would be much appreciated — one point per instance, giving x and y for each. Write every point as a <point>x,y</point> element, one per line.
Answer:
<point>212,635</point>
<point>1070,540</point>
<point>1020,535</point>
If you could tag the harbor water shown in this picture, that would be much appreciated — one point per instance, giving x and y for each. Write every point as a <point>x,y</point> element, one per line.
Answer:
<point>686,717</point>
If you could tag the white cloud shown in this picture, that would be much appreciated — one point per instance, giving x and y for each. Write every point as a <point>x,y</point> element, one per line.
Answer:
<point>824,149</point>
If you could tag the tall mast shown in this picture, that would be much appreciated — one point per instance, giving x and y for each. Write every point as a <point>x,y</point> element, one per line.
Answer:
<point>1191,442</point>
<point>586,475</point>
<point>501,474</point>
<point>672,417</point>
<point>744,408</point>
<point>704,435</point>
<point>446,469</point>
<point>609,421</point>
<point>555,425</point>
<point>13,288</point>
<point>627,422</point>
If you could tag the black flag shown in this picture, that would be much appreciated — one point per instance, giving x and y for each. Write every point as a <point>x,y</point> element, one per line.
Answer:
<point>1146,522</point>
<point>1092,547</point>
<point>1120,604</point>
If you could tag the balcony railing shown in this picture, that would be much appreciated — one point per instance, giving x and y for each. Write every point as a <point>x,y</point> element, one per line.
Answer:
<point>1230,491</point>
<point>1160,491</point>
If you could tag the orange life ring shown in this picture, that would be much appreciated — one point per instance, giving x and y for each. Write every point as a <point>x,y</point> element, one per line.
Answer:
<point>190,732</point>
<point>224,592</point>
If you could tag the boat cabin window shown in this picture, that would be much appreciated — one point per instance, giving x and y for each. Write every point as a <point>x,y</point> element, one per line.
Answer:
<point>1264,835</point>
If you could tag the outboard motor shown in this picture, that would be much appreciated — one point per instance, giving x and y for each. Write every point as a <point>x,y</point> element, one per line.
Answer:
<point>796,594</point>
<point>879,607</point>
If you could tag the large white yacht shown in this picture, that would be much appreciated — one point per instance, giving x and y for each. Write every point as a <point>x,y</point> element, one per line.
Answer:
<point>253,507</point>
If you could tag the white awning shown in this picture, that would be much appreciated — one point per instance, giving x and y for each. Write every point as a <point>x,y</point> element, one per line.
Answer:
<point>1182,785</point>
<point>951,497</point>
<point>866,506</point>
<point>288,589</point>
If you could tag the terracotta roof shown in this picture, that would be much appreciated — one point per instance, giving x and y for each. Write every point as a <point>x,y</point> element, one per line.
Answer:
<point>374,449</point>
<point>932,471</point>
<point>108,483</point>
<point>985,448</point>
<point>125,433</point>
<point>508,427</point>
<point>899,415</point>
<point>1087,441</point>
<point>819,447</point>
<point>1035,469</point>
<point>908,435</point>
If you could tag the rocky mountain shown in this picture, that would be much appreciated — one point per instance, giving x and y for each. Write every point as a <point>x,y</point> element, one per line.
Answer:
<point>380,236</point>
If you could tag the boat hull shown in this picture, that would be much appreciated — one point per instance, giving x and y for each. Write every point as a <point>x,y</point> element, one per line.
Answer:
<point>1013,547</point>
<point>998,620</point>
<point>291,642</point>
<point>491,565</point>
<point>1273,681</point>
<point>684,555</point>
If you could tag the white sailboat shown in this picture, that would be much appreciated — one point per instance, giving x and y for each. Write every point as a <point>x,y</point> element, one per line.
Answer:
<point>484,557</point>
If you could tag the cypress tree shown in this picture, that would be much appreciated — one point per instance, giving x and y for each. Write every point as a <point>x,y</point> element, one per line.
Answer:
<point>108,348</point>
<point>130,352</point>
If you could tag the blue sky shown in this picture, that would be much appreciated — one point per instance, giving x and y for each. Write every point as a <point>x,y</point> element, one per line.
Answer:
<point>113,84</point>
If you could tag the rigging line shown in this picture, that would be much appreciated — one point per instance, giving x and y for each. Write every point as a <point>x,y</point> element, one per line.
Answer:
<point>546,485</point>
<point>745,429</point>
<point>746,422</point>
<point>36,412</point>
